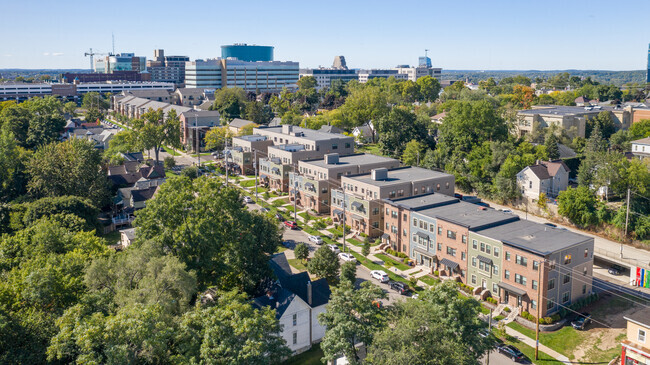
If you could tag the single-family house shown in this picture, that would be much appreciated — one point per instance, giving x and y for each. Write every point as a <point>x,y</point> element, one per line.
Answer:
<point>127,236</point>
<point>237,124</point>
<point>641,148</point>
<point>548,177</point>
<point>365,133</point>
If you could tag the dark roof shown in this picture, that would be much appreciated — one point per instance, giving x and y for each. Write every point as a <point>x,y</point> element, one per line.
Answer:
<point>449,263</point>
<point>641,317</point>
<point>471,216</point>
<point>540,171</point>
<point>144,194</point>
<point>297,283</point>
<point>330,129</point>
<point>484,259</point>
<point>240,123</point>
<point>511,288</point>
<point>133,156</point>
<point>278,298</point>
<point>421,202</point>
<point>422,235</point>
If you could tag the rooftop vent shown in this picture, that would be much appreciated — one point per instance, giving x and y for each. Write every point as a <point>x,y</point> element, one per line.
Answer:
<point>379,174</point>
<point>287,128</point>
<point>332,158</point>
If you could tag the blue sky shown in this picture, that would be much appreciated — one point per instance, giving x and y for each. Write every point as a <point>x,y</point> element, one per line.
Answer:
<point>483,35</point>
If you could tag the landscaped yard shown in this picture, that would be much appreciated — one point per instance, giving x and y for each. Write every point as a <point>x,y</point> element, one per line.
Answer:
<point>311,357</point>
<point>354,242</point>
<point>393,262</point>
<point>112,237</point>
<point>371,148</point>
<point>248,184</point>
<point>429,280</point>
<point>297,264</point>
<point>278,202</point>
<point>528,351</point>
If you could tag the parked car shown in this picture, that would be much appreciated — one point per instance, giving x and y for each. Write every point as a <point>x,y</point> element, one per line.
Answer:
<point>316,239</point>
<point>334,248</point>
<point>379,275</point>
<point>582,321</point>
<point>279,217</point>
<point>288,243</point>
<point>399,287</point>
<point>248,200</point>
<point>484,332</point>
<point>511,352</point>
<point>506,211</point>
<point>347,257</point>
<point>615,270</point>
<point>264,210</point>
<point>550,225</point>
<point>291,224</point>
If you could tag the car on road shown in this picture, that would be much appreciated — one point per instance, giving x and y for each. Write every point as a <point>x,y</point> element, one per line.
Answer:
<point>551,225</point>
<point>291,224</point>
<point>248,200</point>
<point>582,321</point>
<point>288,243</point>
<point>379,275</point>
<point>334,248</point>
<point>347,257</point>
<point>264,210</point>
<point>484,332</point>
<point>315,239</point>
<point>511,352</point>
<point>399,287</point>
<point>506,211</point>
<point>279,217</point>
<point>615,270</point>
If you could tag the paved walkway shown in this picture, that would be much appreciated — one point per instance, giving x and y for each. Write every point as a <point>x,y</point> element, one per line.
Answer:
<point>531,342</point>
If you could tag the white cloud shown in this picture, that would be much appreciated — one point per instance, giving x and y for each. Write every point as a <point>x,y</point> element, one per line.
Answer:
<point>8,55</point>
<point>46,54</point>
<point>56,54</point>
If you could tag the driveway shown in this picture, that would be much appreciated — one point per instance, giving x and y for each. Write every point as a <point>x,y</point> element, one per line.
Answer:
<point>497,358</point>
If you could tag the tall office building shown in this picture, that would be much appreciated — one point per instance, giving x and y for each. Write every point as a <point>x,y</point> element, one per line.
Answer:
<point>121,62</point>
<point>251,76</point>
<point>245,52</point>
<point>424,62</point>
<point>167,68</point>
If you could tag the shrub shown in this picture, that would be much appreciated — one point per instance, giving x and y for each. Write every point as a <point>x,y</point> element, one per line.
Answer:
<point>555,318</point>
<point>436,273</point>
<point>491,300</point>
<point>365,250</point>
<point>506,309</point>
<point>547,320</point>
<point>402,255</point>
<point>169,162</point>
<point>266,195</point>
<point>378,241</point>
<point>363,234</point>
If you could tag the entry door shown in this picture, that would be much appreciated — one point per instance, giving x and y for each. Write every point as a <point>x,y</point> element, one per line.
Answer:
<point>483,284</point>
<point>518,300</point>
<point>506,296</point>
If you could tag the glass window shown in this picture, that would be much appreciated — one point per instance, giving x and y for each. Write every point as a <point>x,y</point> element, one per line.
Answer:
<point>488,249</point>
<point>474,261</point>
<point>495,270</point>
<point>439,230</point>
<point>521,260</point>
<point>533,304</point>
<point>549,305</point>
<point>535,265</point>
<point>495,288</point>
<point>551,284</point>
<point>535,284</point>
<point>451,234</point>
<point>565,297</point>
<point>507,256</point>
<point>584,289</point>
<point>451,251</point>
<point>295,319</point>
<point>439,246</point>
<point>415,222</point>
<point>464,239</point>
<point>474,279</point>
<point>462,256</point>
<point>496,252</point>
<point>474,244</point>
<point>641,336</point>
<point>567,278</point>
<point>482,247</point>
<point>295,338</point>
<point>506,274</point>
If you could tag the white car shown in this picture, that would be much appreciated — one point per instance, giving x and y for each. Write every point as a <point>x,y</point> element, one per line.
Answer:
<point>379,275</point>
<point>507,211</point>
<point>247,199</point>
<point>334,248</point>
<point>316,239</point>
<point>347,257</point>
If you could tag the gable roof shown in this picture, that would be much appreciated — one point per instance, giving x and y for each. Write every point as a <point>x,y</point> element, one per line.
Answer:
<point>240,123</point>
<point>330,129</point>
<point>547,169</point>
<point>297,283</point>
<point>277,298</point>
<point>143,194</point>
<point>645,141</point>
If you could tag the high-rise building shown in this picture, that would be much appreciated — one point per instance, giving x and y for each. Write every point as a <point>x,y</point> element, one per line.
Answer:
<point>167,68</point>
<point>647,75</point>
<point>424,62</point>
<point>339,63</point>
<point>245,52</point>
<point>121,62</point>
<point>260,76</point>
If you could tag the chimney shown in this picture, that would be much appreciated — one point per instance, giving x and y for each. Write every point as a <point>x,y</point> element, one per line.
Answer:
<point>332,158</point>
<point>379,174</point>
<point>309,293</point>
<point>287,128</point>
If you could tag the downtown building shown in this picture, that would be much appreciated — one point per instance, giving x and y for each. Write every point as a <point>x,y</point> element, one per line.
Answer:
<point>167,68</point>
<point>260,76</point>
<point>498,254</point>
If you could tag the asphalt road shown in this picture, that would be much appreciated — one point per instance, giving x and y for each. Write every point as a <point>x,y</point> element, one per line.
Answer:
<point>497,358</point>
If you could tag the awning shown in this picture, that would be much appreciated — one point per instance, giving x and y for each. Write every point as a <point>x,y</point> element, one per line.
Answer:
<point>425,253</point>
<point>422,235</point>
<point>309,185</point>
<point>385,235</point>
<point>357,217</point>
<point>511,288</point>
<point>484,259</point>
<point>357,205</point>
<point>275,170</point>
<point>338,212</point>
<point>450,264</point>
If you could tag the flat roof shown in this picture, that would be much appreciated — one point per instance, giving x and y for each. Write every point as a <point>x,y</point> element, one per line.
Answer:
<point>310,134</point>
<point>640,317</point>
<point>400,175</point>
<point>561,110</point>
<point>420,202</point>
<point>534,237</point>
<point>472,216</point>
<point>356,159</point>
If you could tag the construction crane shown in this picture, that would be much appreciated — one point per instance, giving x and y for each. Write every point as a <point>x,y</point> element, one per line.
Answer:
<point>91,54</point>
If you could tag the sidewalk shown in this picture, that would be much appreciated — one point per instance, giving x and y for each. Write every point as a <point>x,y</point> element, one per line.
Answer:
<point>530,342</point>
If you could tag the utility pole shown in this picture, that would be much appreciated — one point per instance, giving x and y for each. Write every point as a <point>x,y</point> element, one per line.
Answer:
<point>225,158</point>
<point>487,362</point>
<point>627,216</point>
<point>198,141</point>
<point>342,189</point>
<point>539,293</point>
<point>295,195</point>
<point>255,166</point>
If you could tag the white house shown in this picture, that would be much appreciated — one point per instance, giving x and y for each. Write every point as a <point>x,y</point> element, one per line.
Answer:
<point>297,301</point>
<point>641,148</point>
<point>548,177</point>
<point>364,133</point>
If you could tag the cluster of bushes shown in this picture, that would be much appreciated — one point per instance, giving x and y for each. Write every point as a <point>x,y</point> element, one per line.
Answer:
<point>491,300</point>
<point>545,320</point>
<point>466,288</point>
<point>577,305</point>
<point>436,273</point>
<point>401,255</point>
<point>506,309</point>
<point>363,234</point>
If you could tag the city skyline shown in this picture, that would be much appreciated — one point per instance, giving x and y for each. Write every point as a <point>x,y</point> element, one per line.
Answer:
<point>463,36</point>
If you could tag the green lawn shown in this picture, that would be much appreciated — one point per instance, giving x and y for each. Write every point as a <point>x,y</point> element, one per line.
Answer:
<point>304,216</point>
<point>354,242</point>
<point>372,266</point>
<point>564,340</point>
<point>248,184</point>
<point>530,351</point>
<point>311,357</point>
<point>172,151</point>
<point>112,237</point>
<point>399,265</point>
<point>371,148</point>
<point>279,202</point>
<point>499,318</point>
<point>429,280</point>
<point>297,264</point>
<point>280,249</point>
<point>335,232</point>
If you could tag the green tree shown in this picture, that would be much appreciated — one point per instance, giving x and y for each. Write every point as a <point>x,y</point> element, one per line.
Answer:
<point>208,228</point>
<point>413,153</point>
<point>169,162</point>
<point>94,100</point>
<point>70,107</point>
<point>35,122</point>
<point>579,206</point>
<point>93,115</point>
<point>11,165</point>
<point>258,113</point>
<point>72,167</point>
<point>398,128</point>
<point>365,250</point>
<point>351,316</point>
<point>429,88</point>
<point>307,82</point>
<point>230,102</point>
<point>363,105</point>
<point>154,130</point>
<point>301,251</point>
<point>216,138</point>
<point>552,148</point>
<point>640,129</point>
<point>349,271</point>
<point>324,264</point>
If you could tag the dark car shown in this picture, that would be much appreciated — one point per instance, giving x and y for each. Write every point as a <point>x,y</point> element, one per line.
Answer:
<point>550,225</point>
<point>399,287</point>
<point>288,243</point>
<point>615,270</point>
<point>511,352</point>
<point>279,217</point>
<point>264,210</point>
<point>582,320</point>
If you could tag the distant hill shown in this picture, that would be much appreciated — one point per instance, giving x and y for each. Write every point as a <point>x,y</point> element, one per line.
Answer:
<point>618,78</point>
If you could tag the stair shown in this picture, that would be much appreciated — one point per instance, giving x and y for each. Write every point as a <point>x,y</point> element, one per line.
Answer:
<point>511,316</point>
<point>498,310</point>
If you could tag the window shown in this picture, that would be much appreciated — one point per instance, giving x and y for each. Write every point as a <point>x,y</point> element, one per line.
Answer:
<point>432,228</point>
<point>462,256</point>
<point>335,146</point>
<point>415,238</point>
<point>495,288</point>
<point>295,337</point>
<point>586,252</point>
<point>295,319</point>
<point>506,274</point>
<point>387,226</point>
<point>488,249</point>
<point>375,211</point>
<point>405,218</point>
<point>451,234</point>
<point>495,270</point>
<point>530,184</point>
<point>565,297</point>
<point>483,266</point>
<point>482,247</point>
<point>584,289</point>
<point>474,244</point>
<point>641,336</point>
<point>535,265</point>
<point>535,284</point>
<point>464,239</point>
<point>387,211</point>
<point>451,251</point>
<point>474,279</point>
<point>507,256</point>
<point>533,304</point>
<point>566,279</point>
<point>567,259</point>
<point>439,230</point>
<point>404,232</point>
<point>415,222</point>
<point>439,246</point>
<point>520,279</point>
<point>521,260</point>
<point>551,284</point>
<point>474,261</point>
<point>549,305</point>
<point>584,271</point>
<point>437,186</point>
<point>496,252</point>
